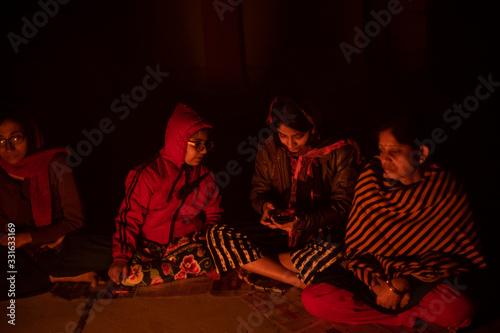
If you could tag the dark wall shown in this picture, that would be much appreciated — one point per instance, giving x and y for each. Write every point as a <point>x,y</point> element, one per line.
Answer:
<point>76,67</point>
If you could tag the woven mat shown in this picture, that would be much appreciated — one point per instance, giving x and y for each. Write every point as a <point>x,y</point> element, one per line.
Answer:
<point>289,313</point>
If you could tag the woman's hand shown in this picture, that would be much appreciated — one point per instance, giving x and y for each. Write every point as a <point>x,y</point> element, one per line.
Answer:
<point>289,226</point>
<point>268,220</point>
<point>402,284</point>
<point>267,208</point>
<point>53,244</point>
<point>388,298</point>
<point>118,267</point>
<point>20,239</point>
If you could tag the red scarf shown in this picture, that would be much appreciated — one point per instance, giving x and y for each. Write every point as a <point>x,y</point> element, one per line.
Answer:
<point>35,167</point>
<point>302,165</point>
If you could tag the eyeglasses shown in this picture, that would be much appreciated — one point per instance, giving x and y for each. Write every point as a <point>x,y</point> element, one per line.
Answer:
<point>14,141</point>
<point>200,146</point>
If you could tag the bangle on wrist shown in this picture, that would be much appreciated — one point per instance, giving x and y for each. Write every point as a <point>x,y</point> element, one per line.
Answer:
<point>394,290</point>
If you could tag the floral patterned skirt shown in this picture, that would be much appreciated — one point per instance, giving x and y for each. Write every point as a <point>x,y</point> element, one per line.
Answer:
<point>154,263</point>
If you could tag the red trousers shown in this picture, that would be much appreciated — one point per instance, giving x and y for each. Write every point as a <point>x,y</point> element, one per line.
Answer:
<point>444,305</point>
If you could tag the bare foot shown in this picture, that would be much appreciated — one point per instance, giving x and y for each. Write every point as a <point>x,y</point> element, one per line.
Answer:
<point>91,277</point>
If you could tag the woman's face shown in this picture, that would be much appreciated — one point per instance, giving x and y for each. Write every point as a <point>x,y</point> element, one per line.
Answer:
<point>292,139</point>
<point>12,153</point>
<point>397,159</point>
<point>194,157</point>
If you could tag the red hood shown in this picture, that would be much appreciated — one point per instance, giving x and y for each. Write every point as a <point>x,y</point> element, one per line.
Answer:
<point>183,123</point>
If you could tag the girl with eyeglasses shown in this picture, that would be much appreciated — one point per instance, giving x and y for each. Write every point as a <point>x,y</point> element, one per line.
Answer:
<point>170,202</point>
<point>41,212</point>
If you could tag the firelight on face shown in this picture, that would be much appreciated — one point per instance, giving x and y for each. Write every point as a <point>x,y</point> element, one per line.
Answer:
<point>396,159</point>
<point>194,157</point>
<point>12,153</point>
<point>292,139</point>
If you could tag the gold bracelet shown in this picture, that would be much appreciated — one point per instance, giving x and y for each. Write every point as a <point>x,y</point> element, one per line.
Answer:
<point>394,290</point>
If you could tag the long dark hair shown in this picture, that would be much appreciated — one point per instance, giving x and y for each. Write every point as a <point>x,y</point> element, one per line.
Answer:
<point>296,113</point>
<point>293,116</point>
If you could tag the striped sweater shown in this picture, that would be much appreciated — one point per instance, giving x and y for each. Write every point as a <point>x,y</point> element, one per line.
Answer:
<point>425,229</point>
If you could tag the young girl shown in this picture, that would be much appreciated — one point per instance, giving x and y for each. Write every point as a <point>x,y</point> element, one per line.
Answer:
<point>41,209</point>
<point>303,185</point>
<point>170,201</point>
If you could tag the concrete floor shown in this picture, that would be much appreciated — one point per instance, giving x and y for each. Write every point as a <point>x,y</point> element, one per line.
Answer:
<point>201,309</point>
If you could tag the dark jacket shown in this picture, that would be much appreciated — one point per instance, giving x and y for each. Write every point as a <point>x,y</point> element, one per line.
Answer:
<point>323,200</point>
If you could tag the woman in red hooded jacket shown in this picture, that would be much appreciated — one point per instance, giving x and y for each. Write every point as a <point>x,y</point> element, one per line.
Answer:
<point>170,201</point>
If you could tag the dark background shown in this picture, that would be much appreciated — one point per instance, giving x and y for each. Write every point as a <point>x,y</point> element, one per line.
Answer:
<point>91,52</point>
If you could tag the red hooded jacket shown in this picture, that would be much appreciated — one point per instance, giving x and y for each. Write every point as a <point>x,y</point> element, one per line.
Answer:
<point>165,198</point>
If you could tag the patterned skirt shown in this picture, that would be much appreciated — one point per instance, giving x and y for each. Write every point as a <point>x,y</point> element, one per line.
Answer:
<point>154,263</point>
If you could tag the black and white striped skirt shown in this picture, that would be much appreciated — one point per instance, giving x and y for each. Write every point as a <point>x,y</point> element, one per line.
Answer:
<point>314,257</point>
<point>232,247</point>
